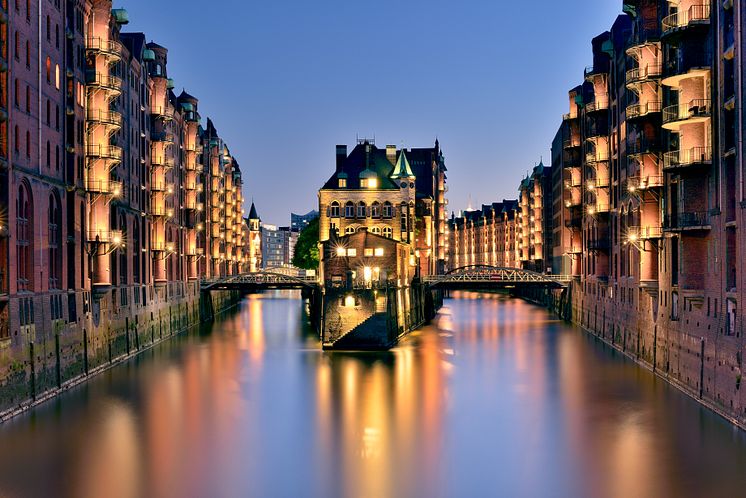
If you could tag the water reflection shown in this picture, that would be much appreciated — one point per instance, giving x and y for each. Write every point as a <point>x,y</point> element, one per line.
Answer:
<point>496,398</point>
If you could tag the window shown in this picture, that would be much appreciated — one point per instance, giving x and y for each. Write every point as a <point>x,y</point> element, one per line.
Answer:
<point>49,154</point>
<point>28,144</point>
<point>28,99</point>
<point>379,252</point>
<point>16,93</point>
<point>352,252</point>
<point>388,232</point>
<point>49,112</point>
<point>49,29</point>
<point>376,230</point>
<point>341,251</point>
<point>730,322</point>
<point>334,210</point>
<point>349,230</point>
<point>57,76</point>
<point>24,241</point>
<point>361,210</point>
<point>28,54</point>
<point>375,210</point>
<point>403,216</point>
<point>16,139</point>
<point>368,251</point>
<point>388,210</point>
<point>349,210</point>
<point>17,46</point>
<point>343,183</point>
<point>48,68</point>
<point>55,242</point>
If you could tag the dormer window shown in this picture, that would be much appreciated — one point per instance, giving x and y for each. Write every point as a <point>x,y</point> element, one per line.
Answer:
<point>343,183</point>
<point>372,183</point>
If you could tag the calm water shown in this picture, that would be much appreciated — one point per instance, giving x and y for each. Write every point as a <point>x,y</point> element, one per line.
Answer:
<point>495,399</point>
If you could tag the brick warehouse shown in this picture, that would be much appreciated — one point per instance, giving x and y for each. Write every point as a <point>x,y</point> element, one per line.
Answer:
<point>648,195</point>
<point>115,199</point>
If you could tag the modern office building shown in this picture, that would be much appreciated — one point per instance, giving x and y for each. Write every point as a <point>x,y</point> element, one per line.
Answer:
<point>299,221</point>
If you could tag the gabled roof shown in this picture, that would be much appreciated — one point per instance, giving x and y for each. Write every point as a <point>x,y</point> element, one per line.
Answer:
<point>253,215</point>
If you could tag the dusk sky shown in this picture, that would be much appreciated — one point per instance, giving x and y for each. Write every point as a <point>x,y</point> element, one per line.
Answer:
<point>285,81</point>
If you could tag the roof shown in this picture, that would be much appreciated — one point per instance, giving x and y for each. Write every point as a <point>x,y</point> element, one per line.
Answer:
<point>402,168</point>
<point>253,215</point>
<point>358,161</point>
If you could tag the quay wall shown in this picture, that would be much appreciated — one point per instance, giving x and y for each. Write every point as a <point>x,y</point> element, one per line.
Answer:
<point>46,358</point>
<point>689,350</point>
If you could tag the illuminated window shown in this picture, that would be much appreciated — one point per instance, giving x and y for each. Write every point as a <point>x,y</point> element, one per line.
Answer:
<point>352,252</point>
<point>349,230</point>
<point>361,210</point>
<point>388,232</point>
<point>57,76</point>
<point>341,251</point>
<point>368,251</point>
<point>375,210</point>
<point>388,210</point>
<point>379,252</point>
<point>376,230</point>
<point>372,183</point>
<point>343,183</point>
<point>334,210</point>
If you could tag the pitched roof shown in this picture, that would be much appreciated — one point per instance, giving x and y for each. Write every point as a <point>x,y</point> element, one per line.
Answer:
<point>375,162</point>
<point>253,215</point>
<point>402,168</point>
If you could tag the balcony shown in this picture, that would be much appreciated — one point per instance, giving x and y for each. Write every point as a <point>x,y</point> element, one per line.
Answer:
<point>162,162</point>
<point>598,208</point>
<point>600,103</point>
<point>687,221</point>
<point>162,187</point>
<point>696,111</point>
<point>104,187</point>
<point>162,136</point>
<point>641,147</point>
<point>644,233</point>
<point>104,117</point>
<point>642,183</point>
<point>105,82</point>
<point>696,157</point>
<point>696,15</point>
<point>600,155</point>
<point>104,236</point>
<point>570,116</point>
<point>637,111</point>
<point>593,71</point>
<point>643,74</point>
<point>166,112</point>
<point>161,212</point>
<point>109,48</point>
<point>595,183</point>
<point>109,152</point>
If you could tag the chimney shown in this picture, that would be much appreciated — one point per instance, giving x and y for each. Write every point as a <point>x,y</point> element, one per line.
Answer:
<point>341,156</point>
<point>391,153</point>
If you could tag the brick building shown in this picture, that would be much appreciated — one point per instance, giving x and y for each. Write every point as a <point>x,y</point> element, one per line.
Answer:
<point>115,199</point>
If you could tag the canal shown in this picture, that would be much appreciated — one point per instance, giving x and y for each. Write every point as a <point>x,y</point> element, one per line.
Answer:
<point>496,398</point>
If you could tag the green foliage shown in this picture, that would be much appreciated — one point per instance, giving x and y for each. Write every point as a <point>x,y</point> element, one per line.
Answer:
<point>306,254</point>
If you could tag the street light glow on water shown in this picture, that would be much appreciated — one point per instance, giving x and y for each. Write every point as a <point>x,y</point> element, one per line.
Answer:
<point>495,398</point>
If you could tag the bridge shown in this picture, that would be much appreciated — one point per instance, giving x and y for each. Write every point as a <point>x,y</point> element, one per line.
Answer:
<point>484,277</point>
<point>258,281</point>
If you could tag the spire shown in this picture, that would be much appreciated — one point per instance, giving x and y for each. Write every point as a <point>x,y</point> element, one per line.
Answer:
<point>252,212</point>
<point>402,169</point>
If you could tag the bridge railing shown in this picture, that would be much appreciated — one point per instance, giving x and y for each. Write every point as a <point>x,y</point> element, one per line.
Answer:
<point>496,275</point>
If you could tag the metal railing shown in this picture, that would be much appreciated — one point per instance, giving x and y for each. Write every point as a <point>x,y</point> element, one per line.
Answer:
<point>695,14</point>
<point>638,74</point>
<point>162,136</point>
<point>644,233</point>
<point>103,116</point>
<point>99,186</point>
<point>108,47</point>
<point>635,183</point>
<point>106,81</point>
<point>112,152</point>
<point>640,110</point>
<point>599,155</point>
<point>688,157</point>
<point>482,274</point>
<point>104,236</point>
<point>162,161</point>
<point>595,183</point>
<point>600,103</point>
<point>689,219</point>
<point>166,112</point>
<point>697,108</point>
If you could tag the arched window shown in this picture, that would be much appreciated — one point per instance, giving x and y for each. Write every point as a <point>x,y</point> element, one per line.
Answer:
<point>375,210</point>
<point>349,230</point>
<point>28,144</point>
<point>17,139</point>
<point>49,154</point>
<point>376,230</point>
<point>28,99</point>
<point>349,210</point>
<point>24,238</point>
<point>48,67</point>
<point>54,220</point>
<point>334,211</point>
<point>361,210</point>
<point>388,232</point>
<point>388,210</point>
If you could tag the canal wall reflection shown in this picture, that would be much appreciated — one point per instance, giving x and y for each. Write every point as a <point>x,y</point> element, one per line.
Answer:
<point>496,397</point>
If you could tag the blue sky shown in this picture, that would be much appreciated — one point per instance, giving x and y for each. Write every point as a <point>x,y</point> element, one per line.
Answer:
<point>286,80</point>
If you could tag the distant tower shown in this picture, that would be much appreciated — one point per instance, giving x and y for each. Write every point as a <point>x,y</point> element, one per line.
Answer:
<point>255,240</point>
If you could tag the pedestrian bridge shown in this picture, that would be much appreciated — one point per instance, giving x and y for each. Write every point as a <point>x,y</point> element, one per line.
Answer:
<point>257,281</point>
<point>478,277</point>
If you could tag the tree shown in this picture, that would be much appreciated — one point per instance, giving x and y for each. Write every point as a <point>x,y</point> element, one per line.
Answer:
<point>306,254</point>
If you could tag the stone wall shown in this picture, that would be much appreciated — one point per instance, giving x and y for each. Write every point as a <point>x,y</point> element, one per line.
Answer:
<point>50,356</point>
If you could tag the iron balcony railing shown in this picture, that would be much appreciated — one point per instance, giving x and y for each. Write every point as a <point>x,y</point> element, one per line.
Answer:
<point>647,72</point>
<point>644,233</point>
<point>108,47</point>
<point>595,183</point>
<point>635,183</point>
<point>104,81</point>
<point>106,187</point>
<point>162,161</point>
<point>696,156</point>
<point>696,14</point>
<point>102,116</point>
<point>643,147</point>
<point>697,108</point>
<point>104,236</point>
<point>166,112</point>
<point>111,152</point>
<point>687,220</point>
<point>600,103</point>
<point>162,187</point>
<point>162,136</point>
<point>599,155</point>
<point>640,110</point>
